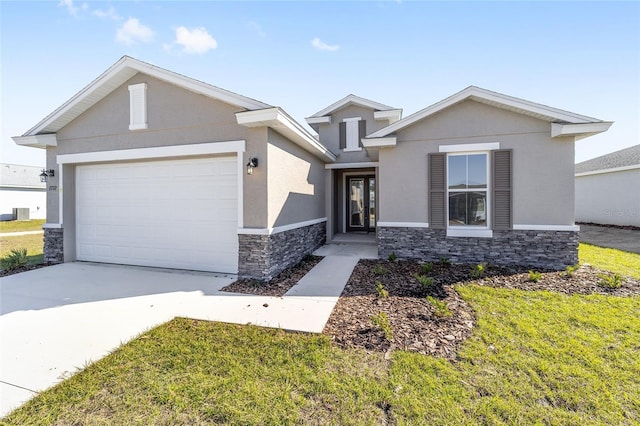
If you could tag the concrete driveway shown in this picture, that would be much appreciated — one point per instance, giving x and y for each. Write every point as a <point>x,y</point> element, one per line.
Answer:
<point>56,320</point>
<point>603,236</point>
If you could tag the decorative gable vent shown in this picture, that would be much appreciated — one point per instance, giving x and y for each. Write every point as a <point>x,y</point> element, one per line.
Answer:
<point>138,106</point>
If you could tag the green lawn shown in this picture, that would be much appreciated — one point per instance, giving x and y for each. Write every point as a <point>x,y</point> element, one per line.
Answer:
<point>33,243</point>
<point>535,358</point>
<point>21,225</point>
<point>622,262</point>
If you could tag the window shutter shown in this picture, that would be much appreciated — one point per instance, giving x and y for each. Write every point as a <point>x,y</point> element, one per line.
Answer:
<point>138,106</point>
<point>343,135</point>
<point>437,191</point>
<point>362,131</point>
<point>502,190</point>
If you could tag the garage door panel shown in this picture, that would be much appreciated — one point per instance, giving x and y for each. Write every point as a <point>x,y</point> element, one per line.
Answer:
<point>174,214</point>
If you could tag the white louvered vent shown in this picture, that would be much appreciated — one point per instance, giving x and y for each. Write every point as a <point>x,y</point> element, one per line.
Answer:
<point>138,106</point>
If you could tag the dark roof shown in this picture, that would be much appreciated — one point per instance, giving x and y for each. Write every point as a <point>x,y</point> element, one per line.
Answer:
<point>16,176</point>
<point>625,157</point>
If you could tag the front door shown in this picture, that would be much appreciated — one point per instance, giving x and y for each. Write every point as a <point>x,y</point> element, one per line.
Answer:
<point>361,203</point>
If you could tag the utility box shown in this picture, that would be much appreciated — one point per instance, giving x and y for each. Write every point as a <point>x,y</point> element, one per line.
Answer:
<point>21,213</point>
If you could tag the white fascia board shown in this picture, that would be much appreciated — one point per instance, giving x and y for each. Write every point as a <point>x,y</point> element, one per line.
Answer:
<point>521,227</point>
<point>37,141</point>
<point>213,148</point>
<point>612,170</point>
<point>469,147</point>
<point>586,129</point>
<point>318,120</point>
<point>51,226</point>
<point>391,115</point>
<point>352,99</point>
<point>363,165</point>
<point>477,93</point>
<point>388,142</point>
<point>126,68</point>
<point>281,122</point>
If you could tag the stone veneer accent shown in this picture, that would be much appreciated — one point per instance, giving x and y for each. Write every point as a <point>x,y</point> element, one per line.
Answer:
<point>53,245</point>
<point>542,249</point>
<point>265,256</point>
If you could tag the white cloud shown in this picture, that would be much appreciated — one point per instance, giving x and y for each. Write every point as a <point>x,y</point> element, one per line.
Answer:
<point>107,14</point>
<point>320,45</point>
<point>73,10</point>
<point>196,40</point>
<point>132,31</point>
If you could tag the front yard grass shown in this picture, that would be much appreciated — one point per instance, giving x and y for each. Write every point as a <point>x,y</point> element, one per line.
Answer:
<point>33,243</point>
<point>536,357</point>
<point>622,262</point>
<point>21,225</point>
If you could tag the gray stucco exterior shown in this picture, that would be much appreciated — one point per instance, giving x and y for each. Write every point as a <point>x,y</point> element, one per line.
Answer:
<point>296,198</point>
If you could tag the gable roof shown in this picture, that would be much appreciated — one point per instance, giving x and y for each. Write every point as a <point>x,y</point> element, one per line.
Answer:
<point>627,157</point>
<point>521,106</point>
<point>115,76</point>
<point>352,100</point>
<point>17,176</point>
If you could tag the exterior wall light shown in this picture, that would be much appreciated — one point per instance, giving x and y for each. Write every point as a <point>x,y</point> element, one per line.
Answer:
<point>253,162</point>
<point>44,176</point>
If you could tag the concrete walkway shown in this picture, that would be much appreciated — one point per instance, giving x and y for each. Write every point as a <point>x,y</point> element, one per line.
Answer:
<point>17,234</point>
<point>621,239</point>
<point>56,320</point>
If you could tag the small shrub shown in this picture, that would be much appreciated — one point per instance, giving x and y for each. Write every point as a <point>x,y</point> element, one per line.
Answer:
<point>392,257</point>
<point>382,292</point>
<point>534,276</point>
<point>424,280</point>
<point>380,270</point>
<point>610,281</point>
<point>441,309</point>
<point>571,269</point>
<point>478,270</point>
<point>16,259</point>
<point>444,261</point>
<point>426,267</point>
<point>382,321</point>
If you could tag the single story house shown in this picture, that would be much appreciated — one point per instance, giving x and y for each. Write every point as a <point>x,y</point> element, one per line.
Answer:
<point>154,168</point>
<point>20,188</point>
<point>608,188</point>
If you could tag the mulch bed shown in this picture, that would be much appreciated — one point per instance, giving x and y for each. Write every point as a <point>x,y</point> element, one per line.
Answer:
<point>4,273</point>
<point>413,319</point>
<point>279,285</point>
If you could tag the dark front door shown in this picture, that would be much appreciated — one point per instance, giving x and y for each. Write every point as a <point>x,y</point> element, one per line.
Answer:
<point>361,203</point>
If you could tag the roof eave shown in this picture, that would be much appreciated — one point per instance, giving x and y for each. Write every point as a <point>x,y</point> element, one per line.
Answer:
<point>281,122</point>
<point>37,141</point>
<point>580,130</point>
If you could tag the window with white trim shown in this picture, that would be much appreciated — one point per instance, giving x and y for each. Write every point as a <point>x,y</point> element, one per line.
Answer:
<point>138,106</point>
<point>468,189</point>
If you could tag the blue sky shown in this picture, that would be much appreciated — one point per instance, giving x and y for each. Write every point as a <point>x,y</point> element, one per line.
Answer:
<point>580,56</point>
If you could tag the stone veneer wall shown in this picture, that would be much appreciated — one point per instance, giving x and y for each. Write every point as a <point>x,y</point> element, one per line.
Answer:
<point>53,245</point>
<point>265,256</point>
<point>543,249</point>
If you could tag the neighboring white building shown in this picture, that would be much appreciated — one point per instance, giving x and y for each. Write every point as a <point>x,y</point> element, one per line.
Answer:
<point>20,187</point>
<point>608,188</point>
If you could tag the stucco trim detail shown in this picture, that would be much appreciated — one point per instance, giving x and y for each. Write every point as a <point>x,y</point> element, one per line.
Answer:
<point>279,229</point>
<point>379,142</point>
<point>155,152</point>
<point>403,224</point>
<point>580,131</point>
<point>546,227</point>
<point>464,147</point>
<point>470,233</point>
<point>51,225</point>
<point>363,165</point>
<point>37,141</point>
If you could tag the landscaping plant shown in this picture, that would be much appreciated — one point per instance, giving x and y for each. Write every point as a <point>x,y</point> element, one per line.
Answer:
<point>382,292</point>
<point>441,309</point>
<point>610,281</point>
<point>382,321</point>
<point>424,280</point>
<point>534,276</point>
<point>15,259</point>
<point>478,270</point>
<point>426,267</point>
<point>380,270</point>
<point>392,257</point>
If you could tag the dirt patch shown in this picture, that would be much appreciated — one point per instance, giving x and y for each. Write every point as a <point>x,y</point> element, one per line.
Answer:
<point>416,324</point>
<point>279,285</point>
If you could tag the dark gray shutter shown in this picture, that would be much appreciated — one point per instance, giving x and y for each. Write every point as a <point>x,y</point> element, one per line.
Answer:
<point>343,135</point>
<point>362,131</point>
<point>502,190</point>
<point>437,190</point>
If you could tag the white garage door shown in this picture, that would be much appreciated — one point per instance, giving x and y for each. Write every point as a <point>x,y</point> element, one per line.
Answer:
<point>172,214</point>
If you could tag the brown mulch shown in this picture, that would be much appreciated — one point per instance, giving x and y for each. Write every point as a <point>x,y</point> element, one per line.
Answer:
<point>413,320</point>
<point>279,285</point>
<point>4,273</point>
